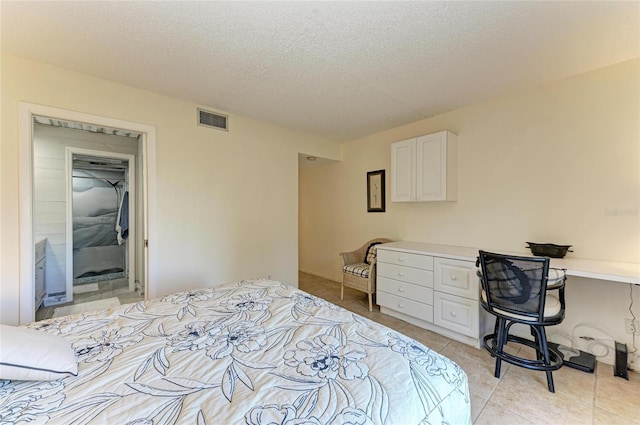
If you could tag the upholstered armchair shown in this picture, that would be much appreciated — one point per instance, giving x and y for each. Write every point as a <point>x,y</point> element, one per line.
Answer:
<point>359,269</point>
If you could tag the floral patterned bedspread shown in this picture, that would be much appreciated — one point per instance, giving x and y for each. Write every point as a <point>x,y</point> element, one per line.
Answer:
<point>254,352</point>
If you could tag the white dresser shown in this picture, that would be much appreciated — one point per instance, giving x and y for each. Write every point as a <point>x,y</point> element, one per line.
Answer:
<point>434,287</point>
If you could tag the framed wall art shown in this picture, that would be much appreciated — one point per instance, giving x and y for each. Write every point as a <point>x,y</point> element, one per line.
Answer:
<point>375,191</point>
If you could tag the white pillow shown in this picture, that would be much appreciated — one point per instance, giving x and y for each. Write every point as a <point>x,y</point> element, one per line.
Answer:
<point>28,355</point>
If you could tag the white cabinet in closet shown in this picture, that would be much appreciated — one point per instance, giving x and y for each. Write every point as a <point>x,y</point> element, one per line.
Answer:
<point>431,286</point>
<point>425,168</point>
<point>40,267</point>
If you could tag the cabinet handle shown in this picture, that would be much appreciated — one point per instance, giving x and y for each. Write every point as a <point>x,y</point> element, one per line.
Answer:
<point>400,289</point>
<point>454,277</point>
<point>452,314</point>
<point>400,305</point>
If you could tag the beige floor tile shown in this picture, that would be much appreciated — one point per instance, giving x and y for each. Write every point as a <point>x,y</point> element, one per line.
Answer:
<point>480,374</point>
<point>617,394</point>
<point>521,391</point>
<point>456,349</point>
<point>391,322</point>
<point>496,414</point>
<point>432,340</point>
<point>477,404</point>
<point>567,381</point>
<point>604,417</point>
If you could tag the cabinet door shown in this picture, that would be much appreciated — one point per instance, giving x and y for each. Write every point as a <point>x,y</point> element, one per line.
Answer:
<point>39,281</point>
<point>403,171</point>
<point>456,277</point>
<point>431,167</point>
<point>456,314</point>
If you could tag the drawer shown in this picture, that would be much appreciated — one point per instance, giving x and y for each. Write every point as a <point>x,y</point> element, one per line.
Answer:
<point>405,290</point>
<point>456,313</point>
<point>408,307</point>
<point>456,277</point>
<point>406,274</point>
<point>417,261</point>
<point>40,250</point>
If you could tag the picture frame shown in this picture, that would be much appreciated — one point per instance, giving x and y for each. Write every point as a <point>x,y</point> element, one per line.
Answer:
<point>375,191</point>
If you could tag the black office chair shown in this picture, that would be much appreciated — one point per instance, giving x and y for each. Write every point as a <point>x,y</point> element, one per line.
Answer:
<point>517,290</point>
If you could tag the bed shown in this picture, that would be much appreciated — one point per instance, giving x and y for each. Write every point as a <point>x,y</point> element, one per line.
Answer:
<point>255,352</point>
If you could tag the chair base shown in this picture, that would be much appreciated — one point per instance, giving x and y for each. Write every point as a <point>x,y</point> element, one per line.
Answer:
<point>368,293</point>
<point>358,283</point>
<point>547,358</point>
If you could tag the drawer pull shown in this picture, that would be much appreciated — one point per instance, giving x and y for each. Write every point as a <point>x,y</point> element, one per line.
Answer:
<point>401,259</point>
<point>400,305</point>
<point>400,274</point>
<point>401,289</point>
<point>454,277</point>
<point>452,314</point>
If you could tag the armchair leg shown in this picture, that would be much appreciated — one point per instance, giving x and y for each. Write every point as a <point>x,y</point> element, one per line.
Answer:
<point>370,303</point>
<point>342,291</point>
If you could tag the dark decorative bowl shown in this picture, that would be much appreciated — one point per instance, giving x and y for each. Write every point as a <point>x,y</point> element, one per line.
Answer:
<point>549,249</point>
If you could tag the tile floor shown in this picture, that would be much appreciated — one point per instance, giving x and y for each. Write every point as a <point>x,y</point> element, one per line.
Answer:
<point>520,396</point>
<point>108,289</point>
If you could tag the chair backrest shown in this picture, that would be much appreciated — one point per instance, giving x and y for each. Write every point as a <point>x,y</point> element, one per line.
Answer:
<point>516,285</point>
<point>368,251</point>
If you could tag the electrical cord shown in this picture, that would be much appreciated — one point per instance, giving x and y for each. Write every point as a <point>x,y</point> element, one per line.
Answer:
<point>633,335</point>
<point>596,342</point>
<point>603,345</point>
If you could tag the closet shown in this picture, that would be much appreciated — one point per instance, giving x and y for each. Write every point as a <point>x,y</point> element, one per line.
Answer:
<point>86,221</point>
<point>100,211</point>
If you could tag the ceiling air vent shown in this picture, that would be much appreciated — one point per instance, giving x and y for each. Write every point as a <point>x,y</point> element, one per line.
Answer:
<point>210,119</point>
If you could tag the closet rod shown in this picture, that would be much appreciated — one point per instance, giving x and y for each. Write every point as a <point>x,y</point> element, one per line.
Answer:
<point>99,178</point>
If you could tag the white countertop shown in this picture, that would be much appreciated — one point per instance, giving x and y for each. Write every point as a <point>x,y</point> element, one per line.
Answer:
<point>592,269</point>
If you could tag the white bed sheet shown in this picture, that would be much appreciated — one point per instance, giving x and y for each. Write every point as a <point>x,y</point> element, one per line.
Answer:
<point>255,352</point>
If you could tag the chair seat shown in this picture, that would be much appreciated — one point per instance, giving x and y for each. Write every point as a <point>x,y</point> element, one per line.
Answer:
<point>357,269</point>
<point>555,278</point>
<point>552,307</point>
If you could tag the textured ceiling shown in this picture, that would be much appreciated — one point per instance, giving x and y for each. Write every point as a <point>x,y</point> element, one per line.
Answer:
<point>337,69</point>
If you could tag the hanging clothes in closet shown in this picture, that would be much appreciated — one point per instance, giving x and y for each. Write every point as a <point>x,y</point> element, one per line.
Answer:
<point>122,222</point>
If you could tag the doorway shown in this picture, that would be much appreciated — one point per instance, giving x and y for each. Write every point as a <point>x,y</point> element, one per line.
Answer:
<point>131,259</point>
<point>84,217</point>
<point>101,221</point>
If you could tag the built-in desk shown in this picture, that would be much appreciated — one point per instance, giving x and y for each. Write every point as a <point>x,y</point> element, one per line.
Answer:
<point>435,286</point>
<point>579,267</point>
<point>603,270</point>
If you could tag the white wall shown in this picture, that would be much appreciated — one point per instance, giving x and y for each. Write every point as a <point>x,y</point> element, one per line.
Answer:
<point>50,190</point>
<point>558,163</point>
<point>226,205</point>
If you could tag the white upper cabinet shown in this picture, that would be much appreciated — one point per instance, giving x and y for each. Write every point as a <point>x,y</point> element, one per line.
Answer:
<point>403,171</point>
<point>425,168</point>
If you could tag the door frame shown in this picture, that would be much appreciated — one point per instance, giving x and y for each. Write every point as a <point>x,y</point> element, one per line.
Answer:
<point>130,187</point>
<point>26,112</point>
